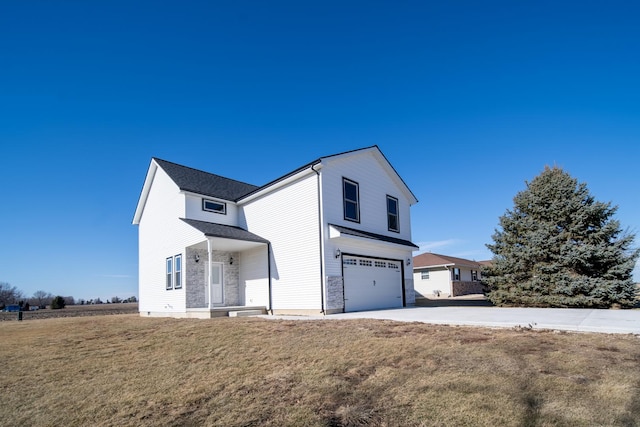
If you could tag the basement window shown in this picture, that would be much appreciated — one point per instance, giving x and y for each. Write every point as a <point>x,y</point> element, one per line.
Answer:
<point>213,206</point>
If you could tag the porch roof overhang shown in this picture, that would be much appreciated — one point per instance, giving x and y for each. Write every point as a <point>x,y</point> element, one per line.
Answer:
<point>337,231</point>
<point>227,237</point>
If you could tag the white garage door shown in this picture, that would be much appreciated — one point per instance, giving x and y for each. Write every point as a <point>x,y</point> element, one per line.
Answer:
<point>371,284</point>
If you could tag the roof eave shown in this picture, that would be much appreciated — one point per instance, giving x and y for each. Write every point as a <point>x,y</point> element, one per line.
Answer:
<point>144,193</point>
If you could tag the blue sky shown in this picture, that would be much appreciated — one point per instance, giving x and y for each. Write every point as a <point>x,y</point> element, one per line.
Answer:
<point>468,100</point>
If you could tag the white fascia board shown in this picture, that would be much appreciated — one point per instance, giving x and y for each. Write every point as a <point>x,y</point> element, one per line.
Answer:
<point>433,266</point>
<point>395,177</point>
<point>142,201</point>
<point>386,165</point>
<point>282,183</point>
<point>335,234</point>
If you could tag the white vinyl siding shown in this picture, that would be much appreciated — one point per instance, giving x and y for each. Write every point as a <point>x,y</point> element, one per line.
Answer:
<point>162,234</point>
<point>193,210</point>
<point>439,280</point>
<point>374,186</point>
<point>288,218</point>
<point>254,285</point>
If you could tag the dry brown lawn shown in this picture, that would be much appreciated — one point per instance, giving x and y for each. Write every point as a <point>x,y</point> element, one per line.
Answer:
<point>123,370</point>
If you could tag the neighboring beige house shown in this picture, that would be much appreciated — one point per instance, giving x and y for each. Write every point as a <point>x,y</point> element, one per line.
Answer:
<point>446,276</point>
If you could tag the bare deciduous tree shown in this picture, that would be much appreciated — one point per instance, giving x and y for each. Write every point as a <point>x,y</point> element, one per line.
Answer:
<point>9,294</point>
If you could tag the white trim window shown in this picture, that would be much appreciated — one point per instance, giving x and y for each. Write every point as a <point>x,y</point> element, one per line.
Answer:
<point>393,221</point>
<point>424,275</point>
<point>474,275</point>
<point>455,274</point>
<point>351,195</point>
<point>169,267</point>
<point>213,206</point>
<point>177,271</point>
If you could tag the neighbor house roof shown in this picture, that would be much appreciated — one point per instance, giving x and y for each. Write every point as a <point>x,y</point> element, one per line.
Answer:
<point>436,260</point>
<point>373,236</point>
<point>205,183</point>
<point>224,231</point>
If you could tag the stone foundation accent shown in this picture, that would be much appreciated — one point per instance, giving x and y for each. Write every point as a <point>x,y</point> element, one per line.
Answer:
<point>409,292</point>
<point>335,294</point>
<point>465,288</point>
<point>195,277</point>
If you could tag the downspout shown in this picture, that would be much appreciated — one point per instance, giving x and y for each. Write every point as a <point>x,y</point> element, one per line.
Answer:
<point>321,234</point>
<point>210,268</point>
<point>270,311</point>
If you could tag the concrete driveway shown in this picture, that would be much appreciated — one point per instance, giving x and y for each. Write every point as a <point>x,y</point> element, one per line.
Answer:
<point>565,319</point>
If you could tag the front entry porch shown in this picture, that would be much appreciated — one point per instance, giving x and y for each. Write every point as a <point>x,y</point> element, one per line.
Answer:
<point>228,311</point>
<point>227,272</point>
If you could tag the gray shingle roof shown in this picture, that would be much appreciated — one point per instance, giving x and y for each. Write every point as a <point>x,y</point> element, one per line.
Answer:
<point>430,259</point>
<point>224,231</point>
<point>374,236</point>
<point>205,183</point>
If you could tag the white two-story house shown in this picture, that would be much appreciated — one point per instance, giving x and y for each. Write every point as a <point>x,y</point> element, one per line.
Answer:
<point>331,236</point>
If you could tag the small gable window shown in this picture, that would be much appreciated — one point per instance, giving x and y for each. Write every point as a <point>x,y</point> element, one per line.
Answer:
<point>424,275</point>
<point>351,200</point>
<point>392,214</point>
<point>213,206</point>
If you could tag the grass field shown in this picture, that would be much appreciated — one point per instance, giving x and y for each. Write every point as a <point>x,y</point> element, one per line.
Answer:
<point>123,370</point>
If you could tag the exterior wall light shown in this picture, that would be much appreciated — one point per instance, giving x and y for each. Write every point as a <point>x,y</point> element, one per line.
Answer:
<point>231,260</point>
<point>338,253</point>
<point>196,257</point>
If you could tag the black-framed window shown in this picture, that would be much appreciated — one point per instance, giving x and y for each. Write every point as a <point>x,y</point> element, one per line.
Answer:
<point>169,275</point>
<point>393,221</point>
<point>177,271</point>
<point>474,275</point>
<point>351,194</point>
<point>455,274</point>
<point>213,206</point>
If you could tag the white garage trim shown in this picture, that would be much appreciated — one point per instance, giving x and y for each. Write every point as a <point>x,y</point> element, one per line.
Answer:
<point>372,283</point>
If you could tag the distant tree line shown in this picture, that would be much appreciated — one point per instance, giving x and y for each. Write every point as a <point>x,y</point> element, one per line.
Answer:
<point>12,295</point>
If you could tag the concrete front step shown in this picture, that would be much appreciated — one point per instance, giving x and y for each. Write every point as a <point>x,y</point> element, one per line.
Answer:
<point>244,313</point>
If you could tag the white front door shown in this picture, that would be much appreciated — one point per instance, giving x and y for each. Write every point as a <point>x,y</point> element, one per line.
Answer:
<point>216,291</point>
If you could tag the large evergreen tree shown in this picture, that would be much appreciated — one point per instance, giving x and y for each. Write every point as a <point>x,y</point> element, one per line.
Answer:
<point>559,247</point>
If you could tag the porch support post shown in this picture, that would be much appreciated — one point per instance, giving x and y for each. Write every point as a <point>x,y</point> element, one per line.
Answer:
<point>210,268</point>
